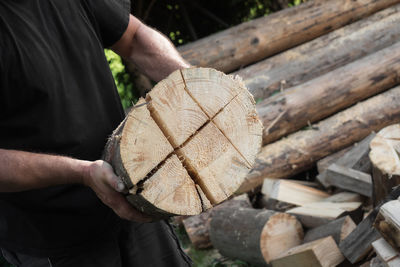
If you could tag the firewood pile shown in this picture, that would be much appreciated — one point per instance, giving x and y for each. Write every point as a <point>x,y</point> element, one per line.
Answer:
<point>325,76</point>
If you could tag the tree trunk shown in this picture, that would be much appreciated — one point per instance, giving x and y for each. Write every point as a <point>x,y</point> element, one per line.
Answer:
<point>299,151</point>
<point>388,223</point>
<point>294,108</point>
<point>385,157</point>
<point>255,236</point>
<point>319,56</point>
<point>174,151</point>
<point>198,226</point>
<point>252,41</point>
<point>338,229</point>
<point>356,158</point>
<point>359,242</point>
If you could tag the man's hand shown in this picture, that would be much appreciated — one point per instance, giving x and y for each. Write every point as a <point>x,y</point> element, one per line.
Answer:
<point>108,187</point>
<point>20,171</point>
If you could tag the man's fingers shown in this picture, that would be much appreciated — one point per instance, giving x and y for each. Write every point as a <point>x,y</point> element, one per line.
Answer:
<point>126,211</point>
<point>117,183</point>
<point>109,187</point>
<point>113,180</point>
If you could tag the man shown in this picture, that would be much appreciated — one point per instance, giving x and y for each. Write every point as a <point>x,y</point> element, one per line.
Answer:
<point>58,104</point>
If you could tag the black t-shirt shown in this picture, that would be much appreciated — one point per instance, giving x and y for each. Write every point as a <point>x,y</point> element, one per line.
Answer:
<point>57,96</point>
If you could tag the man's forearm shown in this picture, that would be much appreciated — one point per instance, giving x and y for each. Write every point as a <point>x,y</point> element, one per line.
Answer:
<point>21,170</point>
<point>155,55</point>
<point>152,52</point>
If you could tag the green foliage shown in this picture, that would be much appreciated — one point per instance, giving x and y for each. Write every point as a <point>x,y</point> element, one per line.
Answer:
<point>297,2</point>
<point>122,79</point>
<point>4,263</point>
<point>205,257</point>
<point>257,8</point>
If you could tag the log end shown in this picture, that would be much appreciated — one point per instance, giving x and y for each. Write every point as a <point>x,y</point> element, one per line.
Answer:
<point>280,233</point>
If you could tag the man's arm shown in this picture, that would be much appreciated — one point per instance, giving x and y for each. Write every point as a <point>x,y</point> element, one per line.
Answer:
<point>20,171</point>
<point>149,50</point>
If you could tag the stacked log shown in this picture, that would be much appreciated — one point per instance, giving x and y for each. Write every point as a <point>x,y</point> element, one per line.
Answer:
<point>253,41</point>
<point>198,227</point>
<point>323,54</point>
<point>309,102</point>
<point>300,150</point>
<point>256,236</point>
<point>316,99</point>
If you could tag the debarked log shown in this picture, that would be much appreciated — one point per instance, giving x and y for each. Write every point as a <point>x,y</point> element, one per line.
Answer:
<point>301,150</point>
<point>254,40</point>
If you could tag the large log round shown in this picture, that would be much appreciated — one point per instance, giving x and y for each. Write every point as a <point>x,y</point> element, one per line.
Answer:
<point>385,158</point>
<point>198,226</point>
<point>257,39</point>
<point>255,236</point>
<point>188,145</point>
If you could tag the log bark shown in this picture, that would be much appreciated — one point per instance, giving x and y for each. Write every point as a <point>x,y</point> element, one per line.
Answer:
<point>384,155</point>
<point>356,158</point>
<point>174,151</point>
<point>319,253</point>
<point>255,236</point>
<point>198,226</point>
<point>349,179</point>
<point>299,151</point>
<point>301,105</point>
<point>319,56</point>
<point>388,223</point>
<point>291,192</point>
<point>389,256</point>
<point>319,213</point>
<point>252,41</point>
<point>358,243</point>
<point>338,229</point>
<point>324,163</point>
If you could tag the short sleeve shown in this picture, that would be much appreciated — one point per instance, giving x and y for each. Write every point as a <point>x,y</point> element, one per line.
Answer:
<point>112,18</point>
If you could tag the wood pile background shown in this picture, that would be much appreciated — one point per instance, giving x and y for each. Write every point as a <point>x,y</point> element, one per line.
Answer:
<point>325,75</point>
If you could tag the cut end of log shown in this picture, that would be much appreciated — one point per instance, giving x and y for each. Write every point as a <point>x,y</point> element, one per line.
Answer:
<point>385,158</point>
<point>175,196</point>
<point>323,252</point>
<point>385,150</point>
<point>189,145</point>
<point>280,233</point>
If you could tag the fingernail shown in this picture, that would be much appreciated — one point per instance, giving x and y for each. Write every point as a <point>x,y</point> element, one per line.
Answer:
<point>120,186</point>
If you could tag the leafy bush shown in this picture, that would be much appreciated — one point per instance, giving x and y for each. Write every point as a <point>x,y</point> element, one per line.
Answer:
<point>122,79</point>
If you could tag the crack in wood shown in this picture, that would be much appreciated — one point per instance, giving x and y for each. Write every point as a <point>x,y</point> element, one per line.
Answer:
<point>193,175</point>
<point>210,119</point>
<point>192,172</point>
